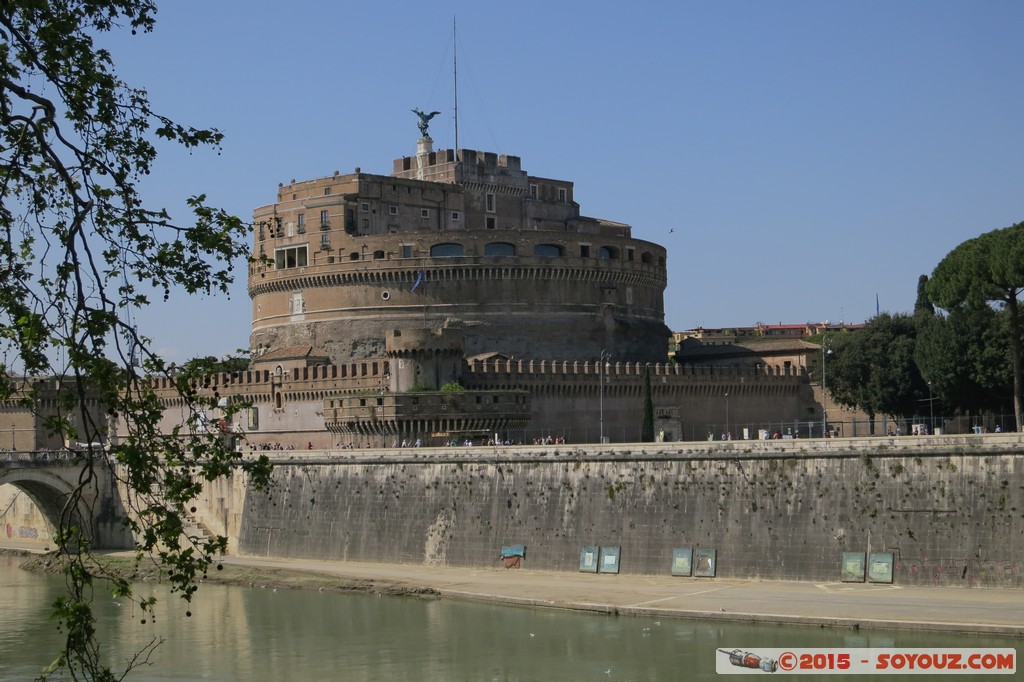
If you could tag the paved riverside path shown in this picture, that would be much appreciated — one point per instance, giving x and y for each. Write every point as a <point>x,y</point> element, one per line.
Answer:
<point>842,605</point>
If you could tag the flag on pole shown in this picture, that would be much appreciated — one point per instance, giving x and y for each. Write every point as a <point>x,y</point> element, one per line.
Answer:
<point>876,304</point>
<point>419,278</point>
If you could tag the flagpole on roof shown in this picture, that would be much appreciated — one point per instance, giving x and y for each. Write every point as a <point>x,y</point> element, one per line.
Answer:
<point>455,65</point>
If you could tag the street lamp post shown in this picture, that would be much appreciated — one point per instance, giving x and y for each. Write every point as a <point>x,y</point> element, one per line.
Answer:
<point>600,374</point>
<point>825,350</point>
<point>726,414</point>
<point>931,410</point>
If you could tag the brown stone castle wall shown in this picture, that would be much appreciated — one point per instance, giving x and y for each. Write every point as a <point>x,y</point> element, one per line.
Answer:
<point>947,508</point>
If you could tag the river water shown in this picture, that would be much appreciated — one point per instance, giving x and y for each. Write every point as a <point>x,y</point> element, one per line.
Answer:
<point>249,633</point>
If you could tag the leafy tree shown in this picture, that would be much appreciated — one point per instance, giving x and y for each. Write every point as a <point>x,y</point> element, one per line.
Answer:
<point>962,357</point>
<point>923,307</point>
<point>647,427</point>
<point>214,365</point>
<point>453,387</point>
<point>988,269</point>
<point>873,368</point>
<point>79,251</point>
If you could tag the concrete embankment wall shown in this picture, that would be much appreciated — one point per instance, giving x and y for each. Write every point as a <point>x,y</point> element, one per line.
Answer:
<point>950,509</point>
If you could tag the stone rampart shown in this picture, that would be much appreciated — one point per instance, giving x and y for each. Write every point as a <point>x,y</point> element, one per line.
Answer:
<point>950,509</point>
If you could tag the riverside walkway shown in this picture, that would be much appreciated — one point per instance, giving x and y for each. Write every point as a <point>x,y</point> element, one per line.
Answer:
<point>840,605</point>
<point>974,611</point>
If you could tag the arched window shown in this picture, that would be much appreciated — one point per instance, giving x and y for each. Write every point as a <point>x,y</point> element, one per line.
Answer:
<point>647,258</point>
<point>449,250</point>
<point>608,253</point>
<point>378,255</point>
<point>499,249</point>
<point>547,250</point>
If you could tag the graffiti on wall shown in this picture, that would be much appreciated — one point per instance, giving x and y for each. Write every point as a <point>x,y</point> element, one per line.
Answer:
<point>21,532</point>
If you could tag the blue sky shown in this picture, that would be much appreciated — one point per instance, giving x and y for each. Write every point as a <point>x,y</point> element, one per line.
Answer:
<point>796,158</point>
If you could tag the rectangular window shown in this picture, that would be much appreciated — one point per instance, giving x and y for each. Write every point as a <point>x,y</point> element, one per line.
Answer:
<point>325,242</point>
<point>456,216</point>
<point>327,191</point>
<point>489,202</point>
<point>584,250</point>
<point>392,210</point>
<point>561,195</point>
<point>293,257</point>
<point>325,218</point>
<point>302,223</point>
<point>629,254</point>
<point>424,212</point>
<point>490,222</point>
<point>366,224</point>
<point>406,250</point>
<point>533,191</point>
<point>364,207</point>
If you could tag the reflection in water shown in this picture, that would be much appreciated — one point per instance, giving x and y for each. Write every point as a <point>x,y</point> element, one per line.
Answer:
<point>242,633</point>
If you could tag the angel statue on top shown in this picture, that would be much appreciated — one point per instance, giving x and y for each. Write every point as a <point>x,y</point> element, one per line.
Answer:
<point>425,122</point>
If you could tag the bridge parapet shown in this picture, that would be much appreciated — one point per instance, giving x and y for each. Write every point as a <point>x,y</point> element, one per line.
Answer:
<point>39,456</point>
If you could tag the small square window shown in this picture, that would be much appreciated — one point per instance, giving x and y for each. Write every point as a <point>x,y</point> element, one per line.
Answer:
<point>392,210</point>
<point>406,250</point>
<point>327,191</point>
<point>456,216</point>
<point>364,207</point>
<point>490,222</point>
<point>424,212</point>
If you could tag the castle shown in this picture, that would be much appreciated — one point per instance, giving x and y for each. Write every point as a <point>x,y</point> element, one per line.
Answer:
<point>461,299</point>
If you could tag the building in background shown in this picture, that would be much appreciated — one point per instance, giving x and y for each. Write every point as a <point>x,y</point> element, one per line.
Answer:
<point>461,299</point>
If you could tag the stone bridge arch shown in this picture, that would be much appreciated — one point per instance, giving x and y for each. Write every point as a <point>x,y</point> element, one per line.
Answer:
<point>49,484</point>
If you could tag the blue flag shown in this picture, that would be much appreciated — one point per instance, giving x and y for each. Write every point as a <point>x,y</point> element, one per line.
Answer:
<point>419,278</point>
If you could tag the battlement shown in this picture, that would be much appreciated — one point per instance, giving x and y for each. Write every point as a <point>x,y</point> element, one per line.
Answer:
<point>546,368</point>
<point>358,376</point>
<point>472,162</point>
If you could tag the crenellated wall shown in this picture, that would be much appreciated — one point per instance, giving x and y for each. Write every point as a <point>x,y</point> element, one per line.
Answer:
<point>567,399</point>
<point>951,509</point>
